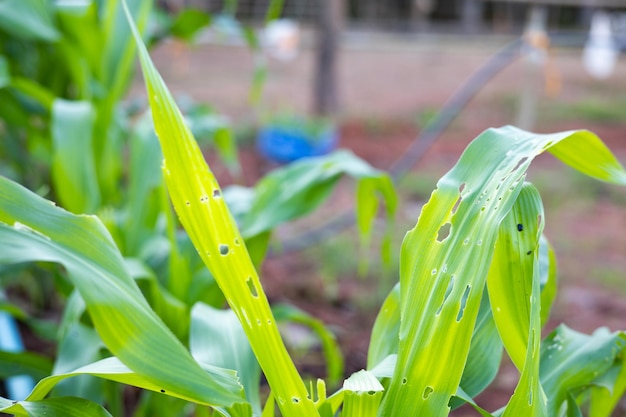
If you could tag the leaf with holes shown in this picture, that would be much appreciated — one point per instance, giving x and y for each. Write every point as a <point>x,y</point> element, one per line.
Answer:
<point>198,201</point>
<point>443,274</point>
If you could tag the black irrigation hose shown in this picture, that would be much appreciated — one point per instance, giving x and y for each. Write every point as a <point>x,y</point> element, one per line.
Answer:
<point>498,62</point>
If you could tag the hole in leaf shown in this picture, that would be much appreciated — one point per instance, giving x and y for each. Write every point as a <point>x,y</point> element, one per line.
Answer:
<point>217,193</point>
<point>519,164</point>
<point>236,241</point>
<point>371,392</point>
<point>427,391</point>
<point>456,204</point>
<point>163,391</point>
<point>444,232</point>
<point>404,381</point>
<point>204,199</point>
<point>252,287</point>
<point>224,249</point>
<point>520,227</point>
<point>295,400</point>
<point>464,298</point>
<point>188,203</point>
<point>448,291</point>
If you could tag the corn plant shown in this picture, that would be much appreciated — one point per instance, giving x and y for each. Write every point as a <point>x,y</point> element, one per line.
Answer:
<point>476,276</point>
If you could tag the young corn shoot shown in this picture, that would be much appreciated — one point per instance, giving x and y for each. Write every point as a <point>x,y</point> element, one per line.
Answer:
<point>197,199</point>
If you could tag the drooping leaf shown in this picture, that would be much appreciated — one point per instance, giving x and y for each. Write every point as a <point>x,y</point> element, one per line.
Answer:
<point>299,188</point>
<point>33,229</point>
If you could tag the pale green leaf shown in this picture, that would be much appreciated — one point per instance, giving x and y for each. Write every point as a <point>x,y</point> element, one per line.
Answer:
<point>298,188</point>
<point>217,338</point>
<point>33,229</point>
<point>515,294</point>
<point>510,279</point>
<point>605,396</point>
<point>198,201</point>
<point>452,247</point>
<point>571,360</point>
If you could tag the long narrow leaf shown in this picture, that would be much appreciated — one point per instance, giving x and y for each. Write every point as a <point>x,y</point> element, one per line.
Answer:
<point>198,201</point>
<point>514,291</point>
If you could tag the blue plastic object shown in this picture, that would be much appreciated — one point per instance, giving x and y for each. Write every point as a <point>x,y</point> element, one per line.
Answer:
<point>282,144</point>
<point>18,387</point>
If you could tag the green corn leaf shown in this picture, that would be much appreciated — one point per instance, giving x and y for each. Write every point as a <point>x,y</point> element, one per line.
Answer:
<point>605,396</point>
<point>54,407</point>
<point>33,229</point>
<point>384,339</point>
<point>80,346</point>
<point>217,338</point>
<point>485,354</point>
<point>510,279</point>
<point>452,247</point>
<point>515,295</point>
<point>571,361</point>
<point>362,395</point>
<point>197,199</point>
<point>73,166</point>
<point>114,370</point>
<point>300,187</point>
